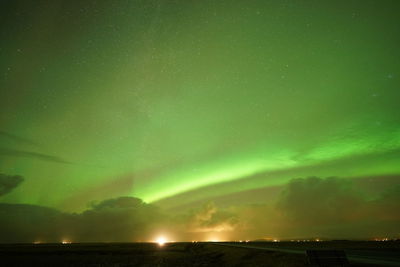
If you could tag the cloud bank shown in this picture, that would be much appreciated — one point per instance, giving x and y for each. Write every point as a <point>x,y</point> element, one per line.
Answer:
<point>33,155</point>
<point>17,139</point>
<point>306,207</point>
<point>330,208</point>
<point>122,219</point>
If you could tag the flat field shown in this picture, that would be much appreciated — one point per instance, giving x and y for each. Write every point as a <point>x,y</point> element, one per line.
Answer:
<point>170,254</point>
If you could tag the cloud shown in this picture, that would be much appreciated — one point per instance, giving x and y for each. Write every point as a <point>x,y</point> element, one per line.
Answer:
<point>112,187</point>
<point>122,219</point>
<point>17,139</point>
<point>306,207</point>
<point>28,223</point>
<point>209,218</point>
<point>386,205</point>
<point>118,219</point>
<point>29,154</point>
<point>331,207</point>
<point>11,152</point>
<point>9,182</point>
<point>319,201</point>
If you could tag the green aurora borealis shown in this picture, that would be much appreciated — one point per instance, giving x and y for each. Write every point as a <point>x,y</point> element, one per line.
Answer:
<point>155,99</point>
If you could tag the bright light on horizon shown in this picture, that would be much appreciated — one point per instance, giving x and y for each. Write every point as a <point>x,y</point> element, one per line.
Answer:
<point>161,241</point>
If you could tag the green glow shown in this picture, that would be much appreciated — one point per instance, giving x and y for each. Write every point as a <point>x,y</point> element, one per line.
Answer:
<point>255,161</point>
<point>227,170</point>
<point>153,99</point>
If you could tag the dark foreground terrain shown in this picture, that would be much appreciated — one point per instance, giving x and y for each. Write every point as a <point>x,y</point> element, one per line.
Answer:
<point>176,254</point>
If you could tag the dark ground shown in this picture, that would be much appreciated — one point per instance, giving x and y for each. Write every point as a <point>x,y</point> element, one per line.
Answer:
<point>173,254</point>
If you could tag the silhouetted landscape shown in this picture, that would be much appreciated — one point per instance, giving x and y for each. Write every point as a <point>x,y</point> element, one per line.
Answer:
<point>192,254</point>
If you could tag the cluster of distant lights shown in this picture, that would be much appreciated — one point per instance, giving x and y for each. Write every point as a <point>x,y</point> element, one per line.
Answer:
<point>382,239</point>
<point>307,240</point>
<point>161,241</point>
<point>64,242</point>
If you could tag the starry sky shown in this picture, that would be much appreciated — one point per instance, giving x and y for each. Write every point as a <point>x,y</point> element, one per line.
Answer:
<point>182,102</point>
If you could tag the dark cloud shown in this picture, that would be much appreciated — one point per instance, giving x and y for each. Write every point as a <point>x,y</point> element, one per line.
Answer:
<point>305,208</point>
<point>330,207</point>
<point>112,187</point>
<point>9,182</point>
<point>29,154</point>
<point>121,219</point>
<point>17,139</point>
<point>319,201</point>
<point>27,223</point>
<point>118,203</point>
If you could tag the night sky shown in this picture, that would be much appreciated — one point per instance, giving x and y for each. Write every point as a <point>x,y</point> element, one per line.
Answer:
<point>235,119</point>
